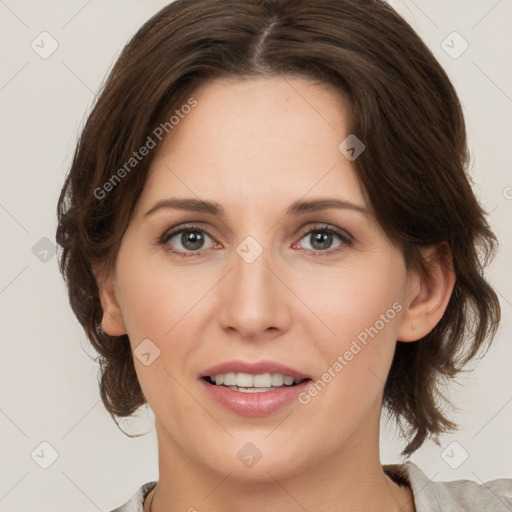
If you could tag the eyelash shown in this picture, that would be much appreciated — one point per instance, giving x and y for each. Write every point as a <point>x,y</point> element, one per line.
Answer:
<point>345,238</point>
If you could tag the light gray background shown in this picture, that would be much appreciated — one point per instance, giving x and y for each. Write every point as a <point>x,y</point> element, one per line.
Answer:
<point>48,386</point>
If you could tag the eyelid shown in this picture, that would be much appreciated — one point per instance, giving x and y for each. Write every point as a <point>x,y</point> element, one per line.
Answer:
<point>345,237</point>
<point>171,232</point>
<point>329,228</point>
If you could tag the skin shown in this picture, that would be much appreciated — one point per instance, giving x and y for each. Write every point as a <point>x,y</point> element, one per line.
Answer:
<point>254,147</point>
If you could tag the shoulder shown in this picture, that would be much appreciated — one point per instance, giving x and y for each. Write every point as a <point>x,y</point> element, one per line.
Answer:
<point>136,502</point>
<point>454,496</point>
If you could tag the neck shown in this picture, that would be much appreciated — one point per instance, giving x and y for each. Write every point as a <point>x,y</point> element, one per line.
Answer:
<point>351,479</point>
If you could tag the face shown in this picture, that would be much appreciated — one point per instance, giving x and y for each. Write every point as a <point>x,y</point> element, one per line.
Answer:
<point>318,290</point>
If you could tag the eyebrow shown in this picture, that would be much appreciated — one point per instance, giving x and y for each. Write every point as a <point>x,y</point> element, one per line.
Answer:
<point>296,208</point>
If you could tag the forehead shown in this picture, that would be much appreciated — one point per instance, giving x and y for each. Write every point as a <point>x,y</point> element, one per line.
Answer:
<point>257,142</point>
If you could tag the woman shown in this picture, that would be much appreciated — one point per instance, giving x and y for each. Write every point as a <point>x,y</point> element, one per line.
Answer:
<point>268,235</point>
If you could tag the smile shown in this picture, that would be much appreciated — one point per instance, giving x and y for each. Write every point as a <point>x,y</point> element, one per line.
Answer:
<point>247,383</point>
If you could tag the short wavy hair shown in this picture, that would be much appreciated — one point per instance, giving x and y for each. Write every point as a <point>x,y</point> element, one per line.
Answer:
<point>413,172</point>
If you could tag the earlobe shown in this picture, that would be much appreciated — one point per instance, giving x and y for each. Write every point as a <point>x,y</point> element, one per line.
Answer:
<point>112,322</point>
<point>428,295</point>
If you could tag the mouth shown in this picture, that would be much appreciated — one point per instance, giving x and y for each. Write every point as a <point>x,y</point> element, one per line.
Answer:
<point>249,383</point>
<point>253,389</point>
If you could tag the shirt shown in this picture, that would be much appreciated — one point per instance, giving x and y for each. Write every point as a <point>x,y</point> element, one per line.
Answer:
<point>429,496</point>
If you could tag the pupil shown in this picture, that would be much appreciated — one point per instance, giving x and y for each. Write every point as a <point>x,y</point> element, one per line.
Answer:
<point>322,238</point>
<point>192,239</point>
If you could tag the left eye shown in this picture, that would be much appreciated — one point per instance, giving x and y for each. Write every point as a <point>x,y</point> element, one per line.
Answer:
<point>322,239</point>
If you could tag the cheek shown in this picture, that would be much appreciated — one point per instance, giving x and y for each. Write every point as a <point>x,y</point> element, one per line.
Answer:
<point>166,305</point>
<point>160,304</point>
<point>362,302</point>
<point>159,299</point>
<point>156,298</point>
<point>363,312</point>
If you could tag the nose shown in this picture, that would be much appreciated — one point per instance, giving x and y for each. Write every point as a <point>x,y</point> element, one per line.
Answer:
<point>255,302</point>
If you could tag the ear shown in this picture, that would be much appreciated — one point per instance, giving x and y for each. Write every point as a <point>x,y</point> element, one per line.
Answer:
<point>112,322</point>
<point>427,295</point>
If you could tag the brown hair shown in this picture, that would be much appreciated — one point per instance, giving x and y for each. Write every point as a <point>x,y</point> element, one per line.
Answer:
<point>413,170</point>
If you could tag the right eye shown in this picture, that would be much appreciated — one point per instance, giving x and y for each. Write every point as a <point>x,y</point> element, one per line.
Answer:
<point>191,239</point>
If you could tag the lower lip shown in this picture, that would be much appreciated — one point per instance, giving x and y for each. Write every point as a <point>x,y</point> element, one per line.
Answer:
<point>255,404</point>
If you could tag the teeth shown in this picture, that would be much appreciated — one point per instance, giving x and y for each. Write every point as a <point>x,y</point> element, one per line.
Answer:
<point>229,379</point>
<point>288,381</point>
<point>265,381</point>
<point>244,380</point>
<point>250,390</point>
<point>277,379</point>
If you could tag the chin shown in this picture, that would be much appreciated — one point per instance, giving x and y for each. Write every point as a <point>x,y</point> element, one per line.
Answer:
<point>259,462</point>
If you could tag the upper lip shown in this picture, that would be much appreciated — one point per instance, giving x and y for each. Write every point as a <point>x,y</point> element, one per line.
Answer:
<point>253,368</point>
